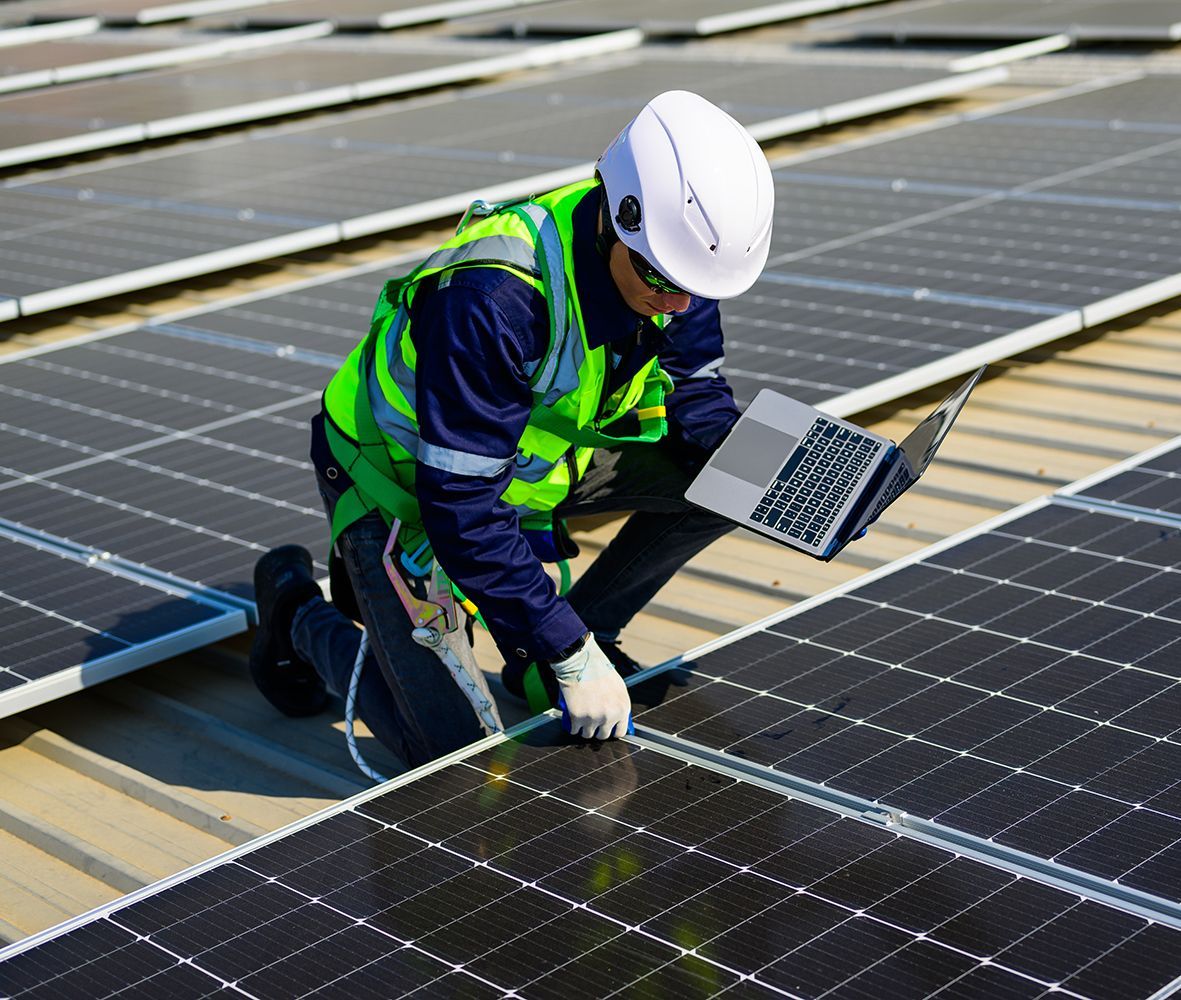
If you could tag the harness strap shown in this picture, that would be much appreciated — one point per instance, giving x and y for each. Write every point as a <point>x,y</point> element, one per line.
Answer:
<point>368,464</point>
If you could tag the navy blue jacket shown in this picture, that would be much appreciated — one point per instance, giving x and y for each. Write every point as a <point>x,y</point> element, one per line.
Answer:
<point>474,338</point>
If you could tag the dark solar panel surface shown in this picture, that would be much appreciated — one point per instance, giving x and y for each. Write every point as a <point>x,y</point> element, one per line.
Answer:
<point>1023,686</point>
<point>59,614</point>
<point>88,224</point>
<point>49,55</point>
<point>911,251</point>
<point>225,86</point>
<point>671,17</point>
<point>1151,485</point>
<point>1090,19</point>
<point>110,11</point>
<point>558,871</point>
<point>178,454</point>
<point>23,11</point>
<point>368,14</point>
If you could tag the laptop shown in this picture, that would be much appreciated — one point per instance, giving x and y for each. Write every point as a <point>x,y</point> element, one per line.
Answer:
<point>811,481</point>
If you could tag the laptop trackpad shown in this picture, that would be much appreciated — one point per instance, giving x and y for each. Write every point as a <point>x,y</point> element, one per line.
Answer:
<point>753,452</point>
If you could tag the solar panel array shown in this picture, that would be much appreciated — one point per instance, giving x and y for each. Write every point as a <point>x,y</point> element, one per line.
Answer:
<point>84,232</point>
<point>110,113</point>
<point>663,17</point>
<point>369,15</point>
<point>913,259</point>
<point>121,12</point>
<point>534,868</point>
<point>68,619</point>
<point>1021,686</point>
<point>1089,20</point>
<point>25,67</point>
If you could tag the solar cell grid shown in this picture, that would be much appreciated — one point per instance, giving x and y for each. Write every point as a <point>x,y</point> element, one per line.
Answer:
<point>546,869</point>
<point>1015,241</point>
<point>249,87</point>
<point>663,17</point>
<point>1021,686</point>
<point>180,455</point>
<point>66,622</point>
<point>1081,19</point>
<point>1150,484</point>
<point>107,53</point>
<point>368,14</point>
<point>20,59</point>
<point>122,12</point>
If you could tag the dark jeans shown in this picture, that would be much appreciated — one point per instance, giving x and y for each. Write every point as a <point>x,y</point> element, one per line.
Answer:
<point>663,534</point>
<point>406,697</point>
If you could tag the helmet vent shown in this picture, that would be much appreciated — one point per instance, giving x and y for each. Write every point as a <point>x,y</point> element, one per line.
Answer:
<point>699,222</point>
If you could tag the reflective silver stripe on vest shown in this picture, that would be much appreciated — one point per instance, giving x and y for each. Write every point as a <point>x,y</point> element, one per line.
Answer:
<point>395,364</point>
<point>559,370</point>
<point>462,463</point>
<point>497,249</point>
<point>390,421</point>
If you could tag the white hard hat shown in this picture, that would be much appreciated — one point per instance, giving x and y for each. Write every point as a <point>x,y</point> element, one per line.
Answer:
<point>689,190</point>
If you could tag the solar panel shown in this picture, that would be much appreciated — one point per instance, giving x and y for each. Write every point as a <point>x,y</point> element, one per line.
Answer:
<point>362,15</point>
<point>1148,483</point>
<point>168,451</point>
<point>913,259</point>
<point>69,619</point>
<point>1092,20</point>
<point>1020,686</point>
<point>664,17</point>
<point>537,869</point>
<point>26,67</point>
<point>84,232</point>
<point>110,113</point>
<point>123,12</point>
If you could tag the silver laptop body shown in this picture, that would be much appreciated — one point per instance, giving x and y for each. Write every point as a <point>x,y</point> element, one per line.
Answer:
<point>812,481</point>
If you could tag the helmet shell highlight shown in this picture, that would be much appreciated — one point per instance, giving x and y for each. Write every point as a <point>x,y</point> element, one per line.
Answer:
<point>690,190</point>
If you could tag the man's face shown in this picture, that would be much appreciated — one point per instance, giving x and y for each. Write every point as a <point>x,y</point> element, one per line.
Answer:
<point>639,296</point>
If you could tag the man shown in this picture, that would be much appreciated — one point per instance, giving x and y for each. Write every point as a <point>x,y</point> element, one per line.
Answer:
<point>516,378</point>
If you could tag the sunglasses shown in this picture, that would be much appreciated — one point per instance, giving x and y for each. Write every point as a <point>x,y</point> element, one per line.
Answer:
<point>651,277</point>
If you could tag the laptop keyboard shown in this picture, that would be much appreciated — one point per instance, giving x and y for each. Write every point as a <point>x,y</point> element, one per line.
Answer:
<point>823,471</point>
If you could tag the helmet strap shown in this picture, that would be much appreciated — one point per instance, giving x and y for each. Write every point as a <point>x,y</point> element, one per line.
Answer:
<point>607,237</point>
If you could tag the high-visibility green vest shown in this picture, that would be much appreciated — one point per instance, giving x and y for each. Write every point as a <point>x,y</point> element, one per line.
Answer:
<point>370,403</point>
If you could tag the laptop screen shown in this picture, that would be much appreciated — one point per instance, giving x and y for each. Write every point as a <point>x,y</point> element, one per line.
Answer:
<point>754,451</point>
<point>921,444</point>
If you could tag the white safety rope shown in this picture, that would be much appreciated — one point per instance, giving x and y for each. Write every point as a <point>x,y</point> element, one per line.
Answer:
<point>350,712</point>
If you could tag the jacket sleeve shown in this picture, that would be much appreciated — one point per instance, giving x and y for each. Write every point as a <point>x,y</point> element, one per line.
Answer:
<point>701,408</point>
<point>473,402</point>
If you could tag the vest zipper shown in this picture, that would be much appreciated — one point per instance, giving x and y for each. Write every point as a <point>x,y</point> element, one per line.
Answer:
<point>571,466</point>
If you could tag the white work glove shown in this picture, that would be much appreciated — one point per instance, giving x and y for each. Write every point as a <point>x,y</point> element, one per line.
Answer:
<point>595,695</point>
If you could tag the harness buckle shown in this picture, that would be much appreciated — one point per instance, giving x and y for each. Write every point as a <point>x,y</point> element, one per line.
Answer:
<point>429,603</point>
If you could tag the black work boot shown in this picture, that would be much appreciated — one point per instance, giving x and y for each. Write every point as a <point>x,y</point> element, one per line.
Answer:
<point>283,581</point>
